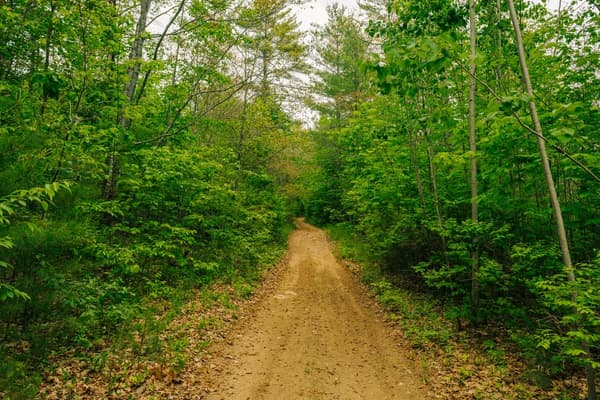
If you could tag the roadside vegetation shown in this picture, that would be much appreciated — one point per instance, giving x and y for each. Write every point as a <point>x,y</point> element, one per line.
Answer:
<point>142,171</point>
<point>154,152</point>
<point>455,359</point>
<point>458,149</point>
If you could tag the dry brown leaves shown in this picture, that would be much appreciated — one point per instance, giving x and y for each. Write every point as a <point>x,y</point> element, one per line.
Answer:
<point>183,372</point>
<point>463,370</point>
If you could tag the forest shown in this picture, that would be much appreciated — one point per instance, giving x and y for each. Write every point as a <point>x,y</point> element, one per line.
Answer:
<point>153,152</point>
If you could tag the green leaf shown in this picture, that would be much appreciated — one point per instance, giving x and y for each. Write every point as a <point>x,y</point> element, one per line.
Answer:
<point>6,242</point>
<point>8,292</point>
<point>575,352</point>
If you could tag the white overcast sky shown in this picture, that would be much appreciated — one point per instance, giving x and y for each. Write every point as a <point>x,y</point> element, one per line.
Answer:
<point>315,11</point>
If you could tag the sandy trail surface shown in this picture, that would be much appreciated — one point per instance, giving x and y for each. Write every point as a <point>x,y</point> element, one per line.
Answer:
<point>314,335</point>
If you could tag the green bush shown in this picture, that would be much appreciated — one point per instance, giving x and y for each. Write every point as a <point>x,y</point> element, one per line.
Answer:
<point>572,334</point>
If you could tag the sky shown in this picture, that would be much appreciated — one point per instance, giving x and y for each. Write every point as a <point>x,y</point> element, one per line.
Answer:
<point>315,11</point>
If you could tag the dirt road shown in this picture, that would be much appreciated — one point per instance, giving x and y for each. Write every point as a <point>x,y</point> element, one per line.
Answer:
<point>315,336</point>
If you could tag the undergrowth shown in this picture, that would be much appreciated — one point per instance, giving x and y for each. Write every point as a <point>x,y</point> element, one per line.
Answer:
<point>114,337</point>
<point>457,360</point>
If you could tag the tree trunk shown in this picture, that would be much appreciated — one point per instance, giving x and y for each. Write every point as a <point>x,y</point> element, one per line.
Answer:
<point>436,198</point>
<point>473,149</point>
<point>47,49</point>
<point>241,138</point>
<point>499,46</point>
<point>157,49</point>
<point>137,51</point>
<point>413,143</point>
<point>133,72</point>
<point>264,84</point>
<point>562,235</point>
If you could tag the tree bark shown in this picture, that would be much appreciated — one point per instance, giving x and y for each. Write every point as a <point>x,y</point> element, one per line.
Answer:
<point>137,51</point>
<point>473,159</point>
<point>499,46</point>
<point>241,138</point>
<point>562,237</point>
<point>436,198</point>
<point>413,143</point>
<point>133,72</point>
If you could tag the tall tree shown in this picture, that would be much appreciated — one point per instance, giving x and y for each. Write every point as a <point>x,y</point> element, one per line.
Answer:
<point>342,51</point>
<point>113,166</point>
<point>556,209</point>
<point>491,257</point>
<point>473,155</point>
<point>271,57</point>
<point>274,41</point>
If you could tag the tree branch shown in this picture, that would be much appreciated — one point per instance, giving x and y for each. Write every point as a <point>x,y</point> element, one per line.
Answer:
<point>530,130</point>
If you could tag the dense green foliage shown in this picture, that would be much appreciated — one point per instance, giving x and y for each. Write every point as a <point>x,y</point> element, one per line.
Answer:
<point>139,159</point>
<point>145,152</point>
<point>395,170</point>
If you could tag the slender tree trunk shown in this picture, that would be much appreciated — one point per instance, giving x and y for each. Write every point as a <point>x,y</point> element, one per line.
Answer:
<point>264,84</point>
<point>413,143</point>
<point>436,198</point>
<point>140,92</point>
<point>564,246</point>
<point>47,49</point>
<point>137,51</point>
<point>173,82</point>
<point>499,46</point>
<point>473,158</point>
<point>242,137</point>
<point>109,185</point>
<point>562,235</point>
<point>110,182</point>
